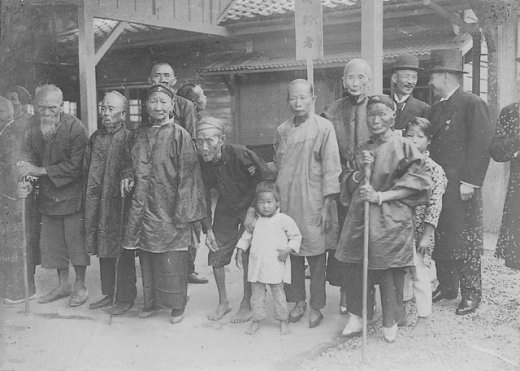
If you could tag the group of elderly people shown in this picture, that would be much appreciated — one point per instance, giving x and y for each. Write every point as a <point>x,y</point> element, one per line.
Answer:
<point>148,192</point>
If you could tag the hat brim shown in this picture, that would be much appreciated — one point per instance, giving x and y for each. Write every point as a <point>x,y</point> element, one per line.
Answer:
<point>440,69</point>
<point>412,68</point>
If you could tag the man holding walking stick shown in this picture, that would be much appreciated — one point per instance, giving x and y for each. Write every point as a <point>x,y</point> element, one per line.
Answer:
<point>398,182</point>
<point>104,212</point>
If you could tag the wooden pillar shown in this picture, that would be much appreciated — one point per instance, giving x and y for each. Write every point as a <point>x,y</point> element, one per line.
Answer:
<point>372,40</point>
<point>475,58</point>
<point>87,66</point>
<point>501,93</point>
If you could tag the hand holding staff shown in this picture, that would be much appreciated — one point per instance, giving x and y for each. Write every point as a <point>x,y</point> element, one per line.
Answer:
<point>368,160</point>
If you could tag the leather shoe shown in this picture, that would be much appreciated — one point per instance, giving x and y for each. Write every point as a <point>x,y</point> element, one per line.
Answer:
<point>194,278</point>
<point>105,301</point>
<point>120,308</point>
<point>467,307</point>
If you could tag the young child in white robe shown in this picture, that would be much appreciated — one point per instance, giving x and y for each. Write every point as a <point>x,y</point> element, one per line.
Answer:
<point>274,237</point>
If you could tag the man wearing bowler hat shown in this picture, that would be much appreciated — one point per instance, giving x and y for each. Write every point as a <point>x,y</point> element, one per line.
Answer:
<point>462,132</point>
<point>404,80</point>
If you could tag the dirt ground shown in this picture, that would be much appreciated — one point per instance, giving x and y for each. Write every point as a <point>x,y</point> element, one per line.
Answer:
<point>55,337</point>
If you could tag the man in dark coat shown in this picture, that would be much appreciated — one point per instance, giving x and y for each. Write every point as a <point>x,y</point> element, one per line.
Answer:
<point>54,151</point>
<point>404,79</point>
<point>168,198</point>
<point>462,133</point>
<point>233,171</point>
<point>103,171</point>
<point>505,147</point>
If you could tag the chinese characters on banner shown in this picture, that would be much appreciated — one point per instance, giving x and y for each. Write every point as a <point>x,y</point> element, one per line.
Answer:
<point>308,22</point>
<point>309,29</point>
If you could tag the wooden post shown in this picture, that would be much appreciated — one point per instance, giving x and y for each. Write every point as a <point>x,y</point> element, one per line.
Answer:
<point>372,40</point>
<point>475,57</point>
<point>87,66</point>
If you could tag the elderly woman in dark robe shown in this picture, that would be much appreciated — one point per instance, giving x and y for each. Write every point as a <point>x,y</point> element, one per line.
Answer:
<point>398,182</point>
<point>164,171</point>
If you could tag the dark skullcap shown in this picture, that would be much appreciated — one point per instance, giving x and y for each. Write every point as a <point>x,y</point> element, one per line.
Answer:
<point>23,95</point>
<point>160,89</point>
<point>383,99</point>
<point>209,122</point>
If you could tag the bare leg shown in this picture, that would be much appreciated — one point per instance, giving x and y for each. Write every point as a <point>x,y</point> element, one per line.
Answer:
<point>244,313</point>
<point>61,291</point>
<point>284,328</point>
<point>223,304</point>
<point>253,327</point>
<point>421,327</point>
<point>343,300</point>
<point>79,284</point>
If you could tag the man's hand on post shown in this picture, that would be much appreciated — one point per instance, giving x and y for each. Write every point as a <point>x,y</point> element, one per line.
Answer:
<point>126,186</point>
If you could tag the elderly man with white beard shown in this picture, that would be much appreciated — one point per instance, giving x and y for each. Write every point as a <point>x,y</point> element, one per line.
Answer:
<point>53,152</point>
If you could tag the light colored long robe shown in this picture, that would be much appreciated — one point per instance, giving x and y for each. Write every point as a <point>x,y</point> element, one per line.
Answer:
<point>308,164</point>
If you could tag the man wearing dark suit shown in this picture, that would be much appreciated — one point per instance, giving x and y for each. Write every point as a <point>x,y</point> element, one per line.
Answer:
<point>462,133</point>
<point>404,79</point>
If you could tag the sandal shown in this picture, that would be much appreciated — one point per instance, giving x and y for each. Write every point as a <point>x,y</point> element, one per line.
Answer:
<point>298,311</point>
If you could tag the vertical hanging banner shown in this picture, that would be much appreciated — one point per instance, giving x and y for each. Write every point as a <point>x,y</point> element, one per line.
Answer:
<point>308,22</point>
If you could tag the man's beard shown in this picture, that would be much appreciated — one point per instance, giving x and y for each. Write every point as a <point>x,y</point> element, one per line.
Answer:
<point>49,127</point>
<point>111,127</point>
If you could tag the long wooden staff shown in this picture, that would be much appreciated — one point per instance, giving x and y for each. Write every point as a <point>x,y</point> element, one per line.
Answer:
<point>24,256</point>
<point>368,173</point>
<point>119,252</point>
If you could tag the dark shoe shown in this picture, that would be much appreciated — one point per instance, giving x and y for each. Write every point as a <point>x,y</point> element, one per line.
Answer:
<point>297,312</point>
<point>120,308</point>
<point>176,316</point>
<point>467,307</point>
<point>316,322</point>
<point>105,301</point>
<point>78,298</point>
<point>194,278</point>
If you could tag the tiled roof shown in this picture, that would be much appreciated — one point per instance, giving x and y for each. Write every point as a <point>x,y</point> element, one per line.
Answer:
<point>103,28</point>
<point>258,62</point>
<point>242,10</point>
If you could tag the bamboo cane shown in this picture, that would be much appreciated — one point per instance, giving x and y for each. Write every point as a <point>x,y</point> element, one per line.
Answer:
<point>121,236</point>
<point>368,173</point>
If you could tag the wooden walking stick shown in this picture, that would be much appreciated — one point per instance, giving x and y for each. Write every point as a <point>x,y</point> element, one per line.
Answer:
<point>23,198</point>
<point>121,236</point>
<point>368,173</point>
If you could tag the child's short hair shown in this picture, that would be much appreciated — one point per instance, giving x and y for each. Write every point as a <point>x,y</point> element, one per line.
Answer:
<point>423,124</point>
<point>268,186</point>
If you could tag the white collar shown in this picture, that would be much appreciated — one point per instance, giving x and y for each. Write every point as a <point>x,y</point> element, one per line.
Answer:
<point>402,100</point>
<point>448,96</point>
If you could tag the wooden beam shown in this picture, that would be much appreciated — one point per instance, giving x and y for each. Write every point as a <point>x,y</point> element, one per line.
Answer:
<point>119,14</point>
<point>87,66</point>
<point>443,12</point>
<point>103,48</point>
<point>229,81</point>
<point>372,40</point>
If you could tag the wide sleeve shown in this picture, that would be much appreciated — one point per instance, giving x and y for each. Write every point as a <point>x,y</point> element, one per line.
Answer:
<point>191,197</point>
<point>88,156</point>
<point>190,118</point>
<point>479,133</point>
<point>71,168</point>
<point>274,166</point>
<point>506,141</point>
<point>294,236</point>
<point>245,241</point>
<point>434,205</point>
<point>330,162</point>
<point>411,173</point>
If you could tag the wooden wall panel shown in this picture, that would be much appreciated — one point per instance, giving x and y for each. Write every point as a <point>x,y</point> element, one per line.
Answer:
<point>165,9</point>
<point>181,9</point>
